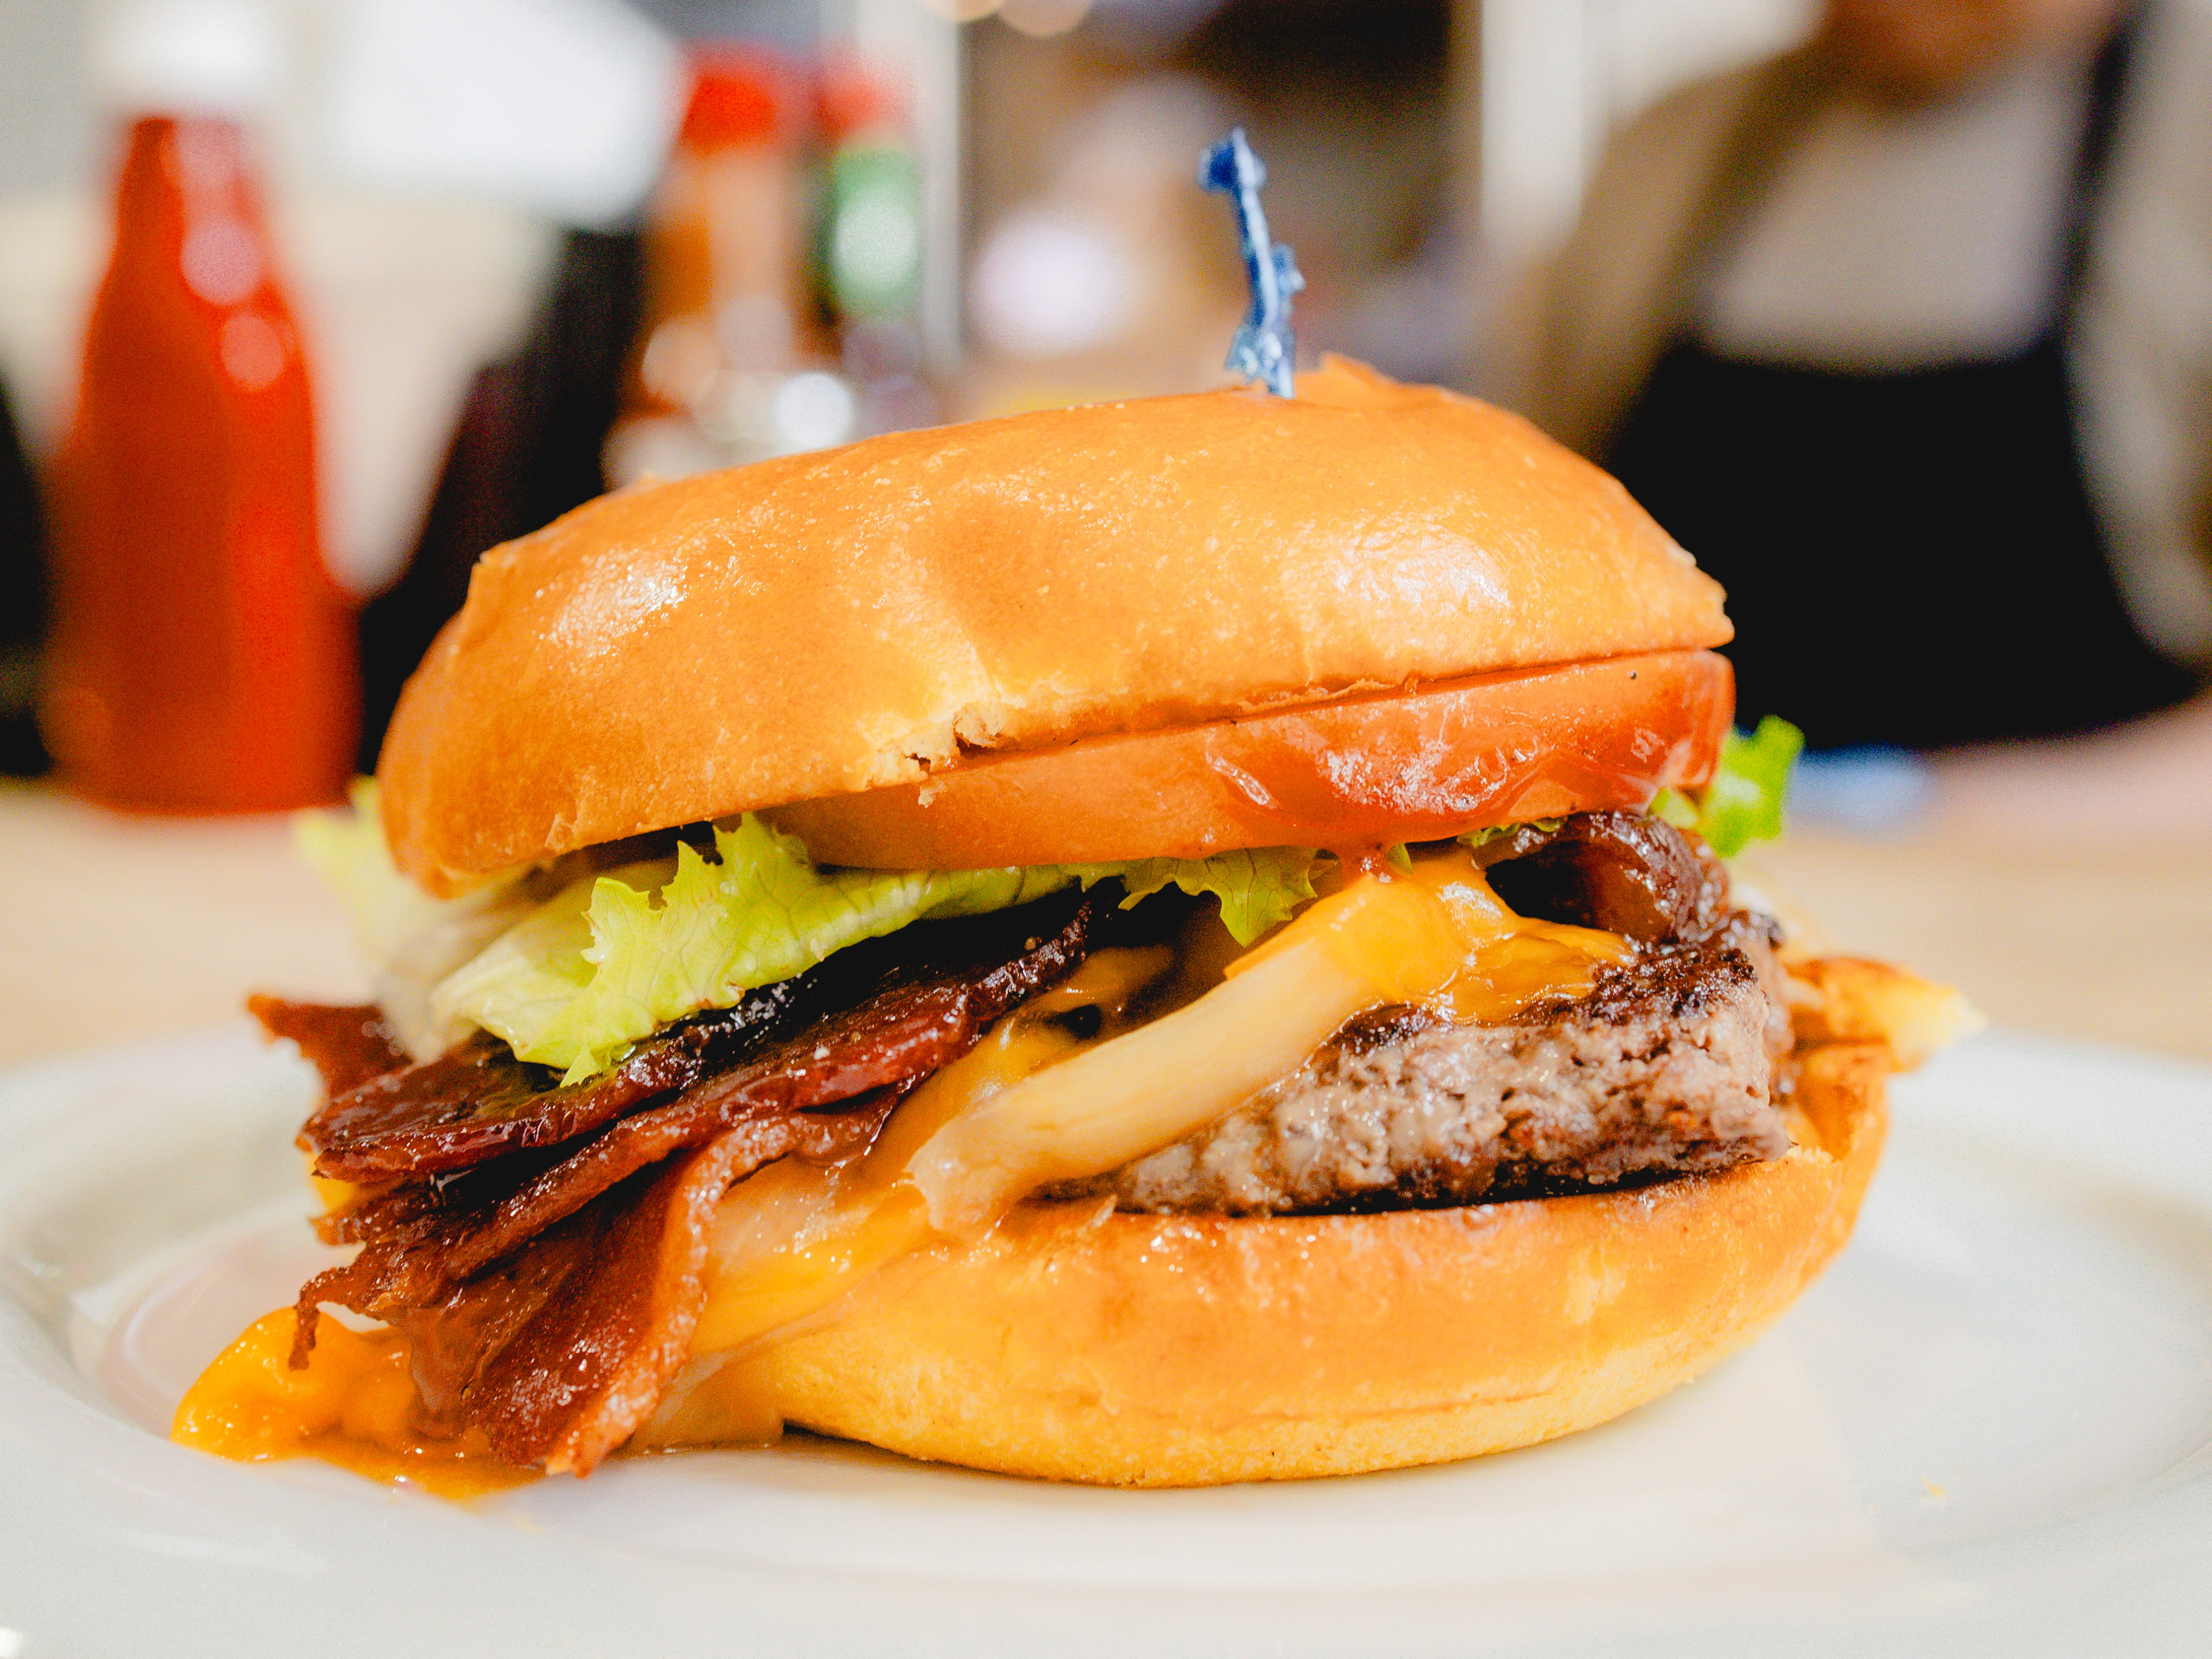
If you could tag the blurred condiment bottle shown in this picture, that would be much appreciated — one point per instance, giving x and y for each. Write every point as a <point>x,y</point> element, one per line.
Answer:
<point>723,371</point>
<point>203,658</point>
<point>868,254</point>
<point>868,242</point>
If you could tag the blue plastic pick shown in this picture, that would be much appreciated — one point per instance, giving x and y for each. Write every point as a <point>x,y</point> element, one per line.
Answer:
<point>1264,349</point>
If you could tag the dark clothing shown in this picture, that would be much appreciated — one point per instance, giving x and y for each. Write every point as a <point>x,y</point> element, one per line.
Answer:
<point>1911,557</point>
<point>525,450</point>
<point>23,602</point>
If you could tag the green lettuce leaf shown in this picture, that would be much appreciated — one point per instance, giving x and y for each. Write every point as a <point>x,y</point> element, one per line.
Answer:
<point>1745,802</point>
<point>1258,889</point>
<point>1479,837</point>
<point>614,957</point>
<point>389,913</point>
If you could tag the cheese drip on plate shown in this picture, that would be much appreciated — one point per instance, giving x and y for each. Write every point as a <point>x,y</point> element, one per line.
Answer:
<point>352,1406</point>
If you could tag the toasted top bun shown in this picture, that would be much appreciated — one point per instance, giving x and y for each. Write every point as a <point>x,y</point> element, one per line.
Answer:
<point>832,622</point>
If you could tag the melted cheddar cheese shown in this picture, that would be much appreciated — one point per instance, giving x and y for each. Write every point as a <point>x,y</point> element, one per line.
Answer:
<point>353,1405</point>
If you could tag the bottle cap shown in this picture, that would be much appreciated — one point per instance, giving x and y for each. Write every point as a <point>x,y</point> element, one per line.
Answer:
<point>739,95</point>
<point>188,57</point>
<point>853,97</point>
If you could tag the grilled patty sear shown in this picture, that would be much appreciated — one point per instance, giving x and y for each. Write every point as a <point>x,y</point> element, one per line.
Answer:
<point>1669,1068</point>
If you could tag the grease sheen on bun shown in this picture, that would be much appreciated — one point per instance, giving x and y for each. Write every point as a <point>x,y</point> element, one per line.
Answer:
<point>1189,1350</point>
<point>832,623</point>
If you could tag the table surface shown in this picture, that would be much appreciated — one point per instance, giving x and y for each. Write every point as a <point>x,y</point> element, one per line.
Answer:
<point>120,928</point>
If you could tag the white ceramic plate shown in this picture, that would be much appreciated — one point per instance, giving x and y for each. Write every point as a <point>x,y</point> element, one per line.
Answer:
<point>1986,1429</point>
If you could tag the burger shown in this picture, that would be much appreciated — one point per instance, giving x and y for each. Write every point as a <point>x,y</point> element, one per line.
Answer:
<point>1179,941</point>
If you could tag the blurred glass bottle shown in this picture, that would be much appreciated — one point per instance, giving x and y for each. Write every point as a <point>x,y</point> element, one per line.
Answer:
<point>729,363</point>
<point>868,243</point>
<point>203,658</point>
<point>868,250</point>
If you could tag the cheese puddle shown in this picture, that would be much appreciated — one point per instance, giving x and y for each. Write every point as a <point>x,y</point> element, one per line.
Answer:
<point>352,1406</point>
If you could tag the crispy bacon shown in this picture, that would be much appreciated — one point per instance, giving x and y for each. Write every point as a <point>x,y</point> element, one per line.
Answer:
<point>347,1045</point>
<point>477,1100</point>
<point>423,1259</point>
<point>549,1284</point>
<point>422,1238</point>
<point>558,1354</point>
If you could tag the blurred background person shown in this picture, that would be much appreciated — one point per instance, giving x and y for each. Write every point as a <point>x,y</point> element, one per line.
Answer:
<point>1906,334</point>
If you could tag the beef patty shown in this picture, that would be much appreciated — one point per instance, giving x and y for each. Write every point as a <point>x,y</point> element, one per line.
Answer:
<point>1668,1067</point>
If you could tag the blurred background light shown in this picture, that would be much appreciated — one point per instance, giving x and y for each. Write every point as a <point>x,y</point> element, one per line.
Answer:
<point>565,108</point>
<point>222,261</point>
<point>875,249</point>
<point>812,410</point>
<point>962,11</point>
<point>1042,19</point>
<point>188,55</point>
<point>1049,287</point>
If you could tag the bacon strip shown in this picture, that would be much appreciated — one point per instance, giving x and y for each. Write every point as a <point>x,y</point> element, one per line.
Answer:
<point>477,1100</point>
<point>423,1238</point>
<point>549,1295</point>
<point>560,1354</point>
<point>1626,873</point>
<point>894,1040</point>
<point>430,1256</point>
<point>347,1045</point>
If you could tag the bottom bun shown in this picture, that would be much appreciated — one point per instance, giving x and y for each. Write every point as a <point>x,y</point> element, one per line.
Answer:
<point>1189,1350</point>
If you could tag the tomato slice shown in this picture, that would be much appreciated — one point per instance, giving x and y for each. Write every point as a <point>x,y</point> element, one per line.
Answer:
<point>1364,771</point>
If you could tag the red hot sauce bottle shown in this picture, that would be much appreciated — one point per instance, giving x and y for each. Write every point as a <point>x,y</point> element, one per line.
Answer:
<point>203,658</point>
